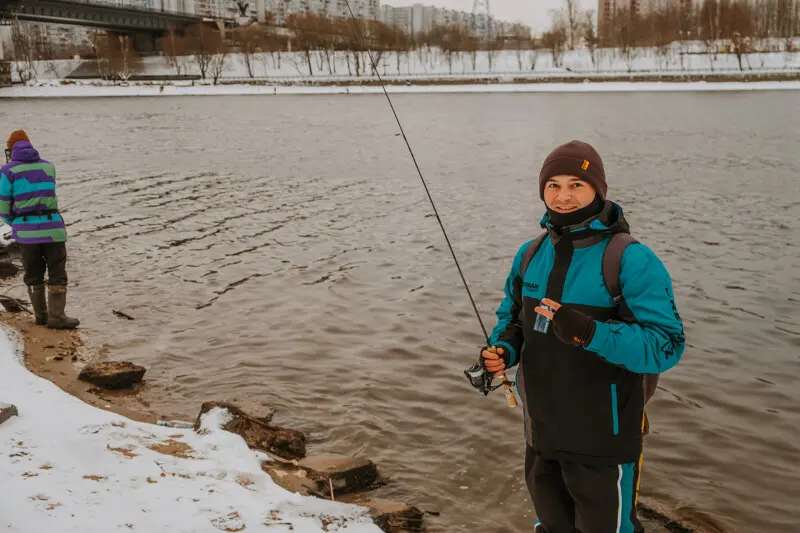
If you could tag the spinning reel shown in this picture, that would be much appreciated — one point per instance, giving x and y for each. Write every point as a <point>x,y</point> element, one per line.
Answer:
<point>480,378</point>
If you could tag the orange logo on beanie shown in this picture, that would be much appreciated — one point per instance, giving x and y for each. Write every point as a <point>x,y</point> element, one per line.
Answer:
<point>585,165</point>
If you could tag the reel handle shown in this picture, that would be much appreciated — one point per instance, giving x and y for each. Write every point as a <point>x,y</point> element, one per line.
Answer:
<point>511,399</point>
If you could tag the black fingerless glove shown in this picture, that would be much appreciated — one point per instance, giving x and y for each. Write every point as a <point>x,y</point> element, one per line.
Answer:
<point>505,356</point>
<point>571,326</point>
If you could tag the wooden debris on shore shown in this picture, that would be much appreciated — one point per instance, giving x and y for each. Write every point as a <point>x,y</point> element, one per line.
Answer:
<point>258,433</point>
<point>327,476</point>
<point>14,305</point>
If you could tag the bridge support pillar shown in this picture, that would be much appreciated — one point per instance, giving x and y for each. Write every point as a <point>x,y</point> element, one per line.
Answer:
<point>143,43</point>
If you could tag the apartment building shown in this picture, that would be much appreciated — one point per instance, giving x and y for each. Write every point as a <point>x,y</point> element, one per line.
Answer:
<point>418,19</point>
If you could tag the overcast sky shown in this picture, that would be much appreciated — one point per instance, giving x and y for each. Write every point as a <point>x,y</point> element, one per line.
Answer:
<point>535,13</point>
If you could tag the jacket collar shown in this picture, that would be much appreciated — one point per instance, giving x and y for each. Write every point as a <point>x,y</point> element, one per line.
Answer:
<point>594,229</point>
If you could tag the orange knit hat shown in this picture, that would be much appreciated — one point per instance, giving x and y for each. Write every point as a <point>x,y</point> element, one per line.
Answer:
<point>16,137</point>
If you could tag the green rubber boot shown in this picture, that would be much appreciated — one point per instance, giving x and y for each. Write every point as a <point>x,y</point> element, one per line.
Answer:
<point>38,297</point>
<point>57,301</point>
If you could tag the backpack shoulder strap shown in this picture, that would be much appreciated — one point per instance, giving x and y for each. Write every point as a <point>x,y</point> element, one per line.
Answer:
<point>530,252</point>
<point>533,247</point>
<point>612,266</point>
<point>612,263</point>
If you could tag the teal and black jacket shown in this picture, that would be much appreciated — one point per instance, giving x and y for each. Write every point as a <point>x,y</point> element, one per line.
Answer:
<point>586,404</point>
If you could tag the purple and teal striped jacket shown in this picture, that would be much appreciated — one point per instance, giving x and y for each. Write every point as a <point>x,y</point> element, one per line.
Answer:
<point>28,185</point>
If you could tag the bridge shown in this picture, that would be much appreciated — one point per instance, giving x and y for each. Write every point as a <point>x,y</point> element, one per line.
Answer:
<point>144,25</point>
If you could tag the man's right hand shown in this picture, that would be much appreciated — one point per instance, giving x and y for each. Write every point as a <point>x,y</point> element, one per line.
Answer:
<point>495,359</point>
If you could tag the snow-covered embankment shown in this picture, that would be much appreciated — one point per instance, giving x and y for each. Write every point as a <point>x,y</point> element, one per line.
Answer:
<point>67,466</point>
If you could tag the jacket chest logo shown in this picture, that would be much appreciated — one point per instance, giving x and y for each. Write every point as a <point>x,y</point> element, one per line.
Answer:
<point>533,287</point>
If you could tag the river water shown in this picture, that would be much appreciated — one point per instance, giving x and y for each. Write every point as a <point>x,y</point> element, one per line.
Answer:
<point>281,252</point>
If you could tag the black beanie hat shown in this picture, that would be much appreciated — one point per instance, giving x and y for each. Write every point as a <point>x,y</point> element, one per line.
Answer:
<point>577,159</point>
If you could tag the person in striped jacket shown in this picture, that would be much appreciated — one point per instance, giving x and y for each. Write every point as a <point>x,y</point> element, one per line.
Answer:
<point>28,204</point>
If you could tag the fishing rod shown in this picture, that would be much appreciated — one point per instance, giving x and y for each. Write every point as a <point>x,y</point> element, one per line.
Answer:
<point>478,375</point>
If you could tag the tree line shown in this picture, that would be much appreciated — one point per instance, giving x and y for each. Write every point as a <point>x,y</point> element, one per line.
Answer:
<point>740,27</point>
<point>722,26</point>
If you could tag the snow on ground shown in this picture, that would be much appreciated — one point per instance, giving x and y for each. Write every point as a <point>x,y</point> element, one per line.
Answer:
<point>288,66</point>
<point>66,466</point>
<point>55,90</point>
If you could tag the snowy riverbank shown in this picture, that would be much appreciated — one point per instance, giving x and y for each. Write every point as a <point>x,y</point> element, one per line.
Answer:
<point>72,467</point>
<point>680,67</point>
<point>99,89</point>
<point>680,58</point>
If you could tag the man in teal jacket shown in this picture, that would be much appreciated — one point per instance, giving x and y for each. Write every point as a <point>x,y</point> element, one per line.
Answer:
<point>582,363</point>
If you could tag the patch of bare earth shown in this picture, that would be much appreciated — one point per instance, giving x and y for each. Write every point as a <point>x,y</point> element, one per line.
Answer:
<point>59,356</point>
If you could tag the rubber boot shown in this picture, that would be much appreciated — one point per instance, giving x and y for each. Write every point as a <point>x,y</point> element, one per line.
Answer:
<point>57,301</point>
<point>38,297</point>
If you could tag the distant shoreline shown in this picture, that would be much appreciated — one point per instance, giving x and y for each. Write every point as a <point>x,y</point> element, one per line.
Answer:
<point>99,88</point>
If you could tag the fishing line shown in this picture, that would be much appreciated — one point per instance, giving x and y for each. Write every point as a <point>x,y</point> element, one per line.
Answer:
<point>478,375</point>
<point>357,33</point>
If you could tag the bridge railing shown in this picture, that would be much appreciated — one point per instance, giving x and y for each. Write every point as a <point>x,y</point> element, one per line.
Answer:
<point>127,7</point>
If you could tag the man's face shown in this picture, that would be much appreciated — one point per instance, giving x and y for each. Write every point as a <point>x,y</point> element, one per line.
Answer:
<point>565,194</point>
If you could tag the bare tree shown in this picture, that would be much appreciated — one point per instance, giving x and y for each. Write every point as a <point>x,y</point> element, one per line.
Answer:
<point>471,47</point>
<point>685,25</point>
<point>590,35</point>
<point>116,58</point>
<point>352,34</point>
<point>736,24</point>
<point>305,29</point>
<point>452,40</point>
<point>787,10</point>
<point>24,38</point>
<point>400,43</point>
<point>331,34</point>
<point>275,46</point>
<point>95,38</point>
<point>784,18</point>
<point>556,39</point>
<point>381,39</point>
<point>662,32</point>
<point>203,42</point>
<point>520,39</point>
<point>423,54</point>
<point>572,12</point>
<point>174,48</point>
<point>626,28</point>
<point>493,47</point>
<point>536,46</point>
<point>763,27</point>
<point>709,29</point>
<point>125,61</point>
<point>248,39</point>
<point>788,51</point>
<point>217,64</point>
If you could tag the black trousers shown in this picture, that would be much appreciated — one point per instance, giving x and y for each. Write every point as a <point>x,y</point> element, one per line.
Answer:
<point>576,498</point>
<point>48,257</point>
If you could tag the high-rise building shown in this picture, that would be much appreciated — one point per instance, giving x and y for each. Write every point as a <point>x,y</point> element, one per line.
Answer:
<point>607,8</point>
<point>364,9</point>
<point>418,19</point>
<point>217,9</point>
